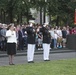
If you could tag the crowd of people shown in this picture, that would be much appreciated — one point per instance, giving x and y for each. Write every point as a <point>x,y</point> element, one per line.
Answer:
<point>33,36</point>
<point>56,32</point>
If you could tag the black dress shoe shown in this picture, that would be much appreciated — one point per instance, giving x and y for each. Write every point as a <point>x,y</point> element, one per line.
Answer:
<point>30,61</point>
<point>46,60</point>
<point>11,64</point>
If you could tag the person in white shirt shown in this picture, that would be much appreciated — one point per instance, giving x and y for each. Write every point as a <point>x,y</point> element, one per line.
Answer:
<point>11,43</point>
<point>53,38</point>
<point>59,37</point>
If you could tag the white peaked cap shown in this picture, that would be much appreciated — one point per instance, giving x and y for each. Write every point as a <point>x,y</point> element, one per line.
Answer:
<point>3,24</point>
<point>46,23</point>
<point>0,23</point>
<point>31,21</point>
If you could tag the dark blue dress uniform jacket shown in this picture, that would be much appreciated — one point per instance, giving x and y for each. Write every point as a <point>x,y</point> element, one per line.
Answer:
<point>30,35</point>
<point>46,35</point>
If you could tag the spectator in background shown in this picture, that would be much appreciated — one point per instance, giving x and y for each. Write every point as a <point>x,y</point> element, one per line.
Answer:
<point>68,29</point>
<point>20,39</point>
<point>3,34</point>
<point>53,38</point>
<point>64,35</point>
<point>11,43</point>
<point>0,36</point>
<point>24,36</point>
<point>39,39</point>
<point>55,32</point>
<point>59,37</point>
<point>73,30</point>
<point>17,29</point>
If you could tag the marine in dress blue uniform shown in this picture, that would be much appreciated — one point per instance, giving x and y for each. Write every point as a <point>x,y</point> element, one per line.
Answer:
<point>31,42</point>
<point>46,41</point>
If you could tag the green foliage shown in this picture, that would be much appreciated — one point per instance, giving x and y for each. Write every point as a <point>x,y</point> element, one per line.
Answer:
<point>61,8</point>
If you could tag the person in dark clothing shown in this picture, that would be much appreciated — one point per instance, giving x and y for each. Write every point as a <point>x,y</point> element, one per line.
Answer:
<point>3,34</point>
<point>46,41</point>
<point>64,35</point>
<point>31,35</point>
<point>0,36</point>
<point>20,39</point>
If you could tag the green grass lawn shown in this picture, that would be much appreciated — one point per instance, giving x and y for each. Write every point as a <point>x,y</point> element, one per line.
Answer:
<point>58,67</point>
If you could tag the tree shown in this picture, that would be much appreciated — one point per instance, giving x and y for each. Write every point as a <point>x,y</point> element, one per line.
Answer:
<point>62,11</point>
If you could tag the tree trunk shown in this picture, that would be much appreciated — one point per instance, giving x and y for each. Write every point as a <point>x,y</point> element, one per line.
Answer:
<point>27,15</point>
<point>44,14</point>
<point>21,17</point>
<point>4,16</point>
<point>68,20</point>
<point>57,21</point>
<point>11,15</point>
<point>40,15</point>
<point>50,19</point>
<point>18,19</point>
<point>1,15</point>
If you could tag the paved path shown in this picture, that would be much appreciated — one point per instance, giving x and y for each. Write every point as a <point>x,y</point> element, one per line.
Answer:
<point>37,52</point>
<point>38,58</point>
